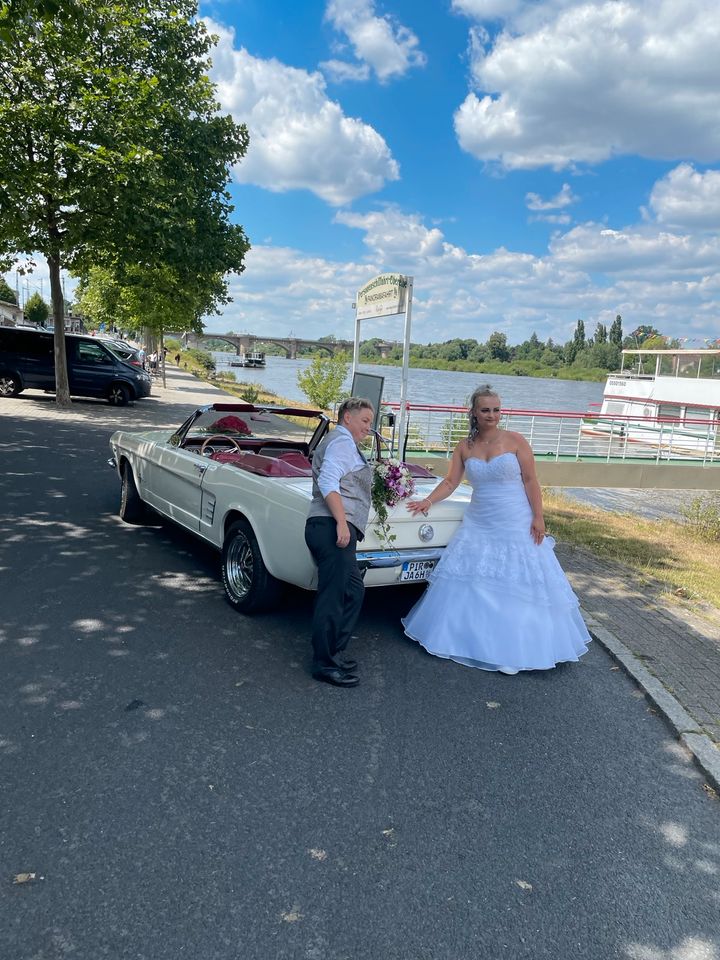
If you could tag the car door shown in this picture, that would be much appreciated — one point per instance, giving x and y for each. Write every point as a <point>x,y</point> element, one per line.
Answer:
<point>172,483</point>
<point>90,369</point>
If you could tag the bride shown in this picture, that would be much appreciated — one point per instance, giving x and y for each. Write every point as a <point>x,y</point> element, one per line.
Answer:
<point>498,598</point>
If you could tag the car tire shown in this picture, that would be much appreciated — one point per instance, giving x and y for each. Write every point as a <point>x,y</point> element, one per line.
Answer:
<point>10,385</point>
<point>132,509</point>
<point>249,587</point>
<point>118,395</point>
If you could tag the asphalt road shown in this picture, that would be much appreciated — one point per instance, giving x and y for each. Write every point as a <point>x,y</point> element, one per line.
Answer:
<point>181,788</point>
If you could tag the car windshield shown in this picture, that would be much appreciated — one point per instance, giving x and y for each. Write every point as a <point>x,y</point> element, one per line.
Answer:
<point>259,423</point>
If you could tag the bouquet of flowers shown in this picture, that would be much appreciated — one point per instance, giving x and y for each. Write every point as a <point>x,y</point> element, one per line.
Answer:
<point>391,483</point>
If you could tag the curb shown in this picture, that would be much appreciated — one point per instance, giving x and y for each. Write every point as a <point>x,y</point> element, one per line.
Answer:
<point>704,751</point>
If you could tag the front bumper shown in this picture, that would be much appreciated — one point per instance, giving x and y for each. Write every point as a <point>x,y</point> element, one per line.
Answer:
<point>384,559</point>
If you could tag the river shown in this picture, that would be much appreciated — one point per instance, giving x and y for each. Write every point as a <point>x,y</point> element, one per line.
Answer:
<point>430,386</point>
<point>453,387</point>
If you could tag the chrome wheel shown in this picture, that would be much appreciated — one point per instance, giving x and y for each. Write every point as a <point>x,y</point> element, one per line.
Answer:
<point>249,587</point>
<point>239,565</point>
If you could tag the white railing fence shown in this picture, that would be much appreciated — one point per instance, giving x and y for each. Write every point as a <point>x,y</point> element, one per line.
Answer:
<point>435,431</point>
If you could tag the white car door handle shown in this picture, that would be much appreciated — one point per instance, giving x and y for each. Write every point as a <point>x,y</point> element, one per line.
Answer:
<point>201,468</point>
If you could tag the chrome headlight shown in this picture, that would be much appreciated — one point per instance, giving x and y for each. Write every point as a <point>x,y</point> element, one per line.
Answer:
<point>426,532</point>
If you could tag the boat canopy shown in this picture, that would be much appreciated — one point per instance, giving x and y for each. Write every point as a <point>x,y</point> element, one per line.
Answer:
<point>701,364</point>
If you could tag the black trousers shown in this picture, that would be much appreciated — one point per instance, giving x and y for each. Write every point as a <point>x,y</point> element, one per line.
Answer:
<point>340,590</point>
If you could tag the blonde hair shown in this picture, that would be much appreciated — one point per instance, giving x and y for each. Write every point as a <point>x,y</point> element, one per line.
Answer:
<point>484,391</point>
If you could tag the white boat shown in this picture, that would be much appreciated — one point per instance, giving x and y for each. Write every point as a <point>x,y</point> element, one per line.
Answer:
<point>668,399</point>
<point>254,359</point>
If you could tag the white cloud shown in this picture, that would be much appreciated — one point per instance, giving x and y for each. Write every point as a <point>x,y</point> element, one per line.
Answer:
<point>299,139</point>
<point>387,46</point>
<point>597,248</point>
<point>566,83</point>
<point>487,9</point>
<point>564,198</point>
<point>645,272</point>
<point>340,71</point>
<point>687,198</point>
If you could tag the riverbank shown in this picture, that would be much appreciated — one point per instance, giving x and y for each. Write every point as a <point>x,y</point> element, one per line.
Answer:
<point>682,555</point>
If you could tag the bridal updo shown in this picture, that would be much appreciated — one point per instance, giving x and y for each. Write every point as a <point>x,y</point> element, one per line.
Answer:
<point>483,391</point>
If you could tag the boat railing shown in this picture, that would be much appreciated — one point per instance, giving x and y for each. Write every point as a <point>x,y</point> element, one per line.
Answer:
<point>436,429</point>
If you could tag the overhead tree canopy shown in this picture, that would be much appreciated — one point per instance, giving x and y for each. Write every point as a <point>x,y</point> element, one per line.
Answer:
<point>114,152</point>
<point>7,294</point>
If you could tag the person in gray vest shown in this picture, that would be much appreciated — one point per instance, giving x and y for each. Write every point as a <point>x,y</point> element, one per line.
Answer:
<point>338,515</point>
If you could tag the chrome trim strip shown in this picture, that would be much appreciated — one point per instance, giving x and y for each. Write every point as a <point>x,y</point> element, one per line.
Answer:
<point>375,559</point>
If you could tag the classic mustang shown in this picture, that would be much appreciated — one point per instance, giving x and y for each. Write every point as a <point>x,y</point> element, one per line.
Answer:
<point>240,477</point>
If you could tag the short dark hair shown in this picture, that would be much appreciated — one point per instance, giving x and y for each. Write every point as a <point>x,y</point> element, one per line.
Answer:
<point>351,405</point>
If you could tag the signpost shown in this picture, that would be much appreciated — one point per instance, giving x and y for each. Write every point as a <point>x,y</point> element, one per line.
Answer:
<point>385,296</point>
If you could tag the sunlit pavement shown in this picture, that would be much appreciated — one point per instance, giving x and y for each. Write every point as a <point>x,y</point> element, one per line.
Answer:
<point>175,784</point>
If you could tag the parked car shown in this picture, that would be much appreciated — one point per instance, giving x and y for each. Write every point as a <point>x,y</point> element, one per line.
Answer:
<point>239,476</point>
<point>124,352</point>
<point>27,361</point>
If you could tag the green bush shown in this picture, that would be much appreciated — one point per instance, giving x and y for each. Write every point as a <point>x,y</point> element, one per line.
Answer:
<point>322,381</point>
<point>201,357</point>
<point>702,517</point>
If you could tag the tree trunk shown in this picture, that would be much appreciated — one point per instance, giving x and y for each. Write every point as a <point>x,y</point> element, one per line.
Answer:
<point>62,386</point>
<point>162,354</point>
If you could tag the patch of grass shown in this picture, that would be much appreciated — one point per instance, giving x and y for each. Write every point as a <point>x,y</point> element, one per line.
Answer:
<point>675,553</point>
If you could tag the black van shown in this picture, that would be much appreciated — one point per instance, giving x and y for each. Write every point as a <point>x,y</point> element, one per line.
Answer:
<point>27,361</point>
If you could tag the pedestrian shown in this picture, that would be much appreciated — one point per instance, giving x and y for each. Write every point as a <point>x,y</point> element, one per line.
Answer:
<point>153,360</point>
<point>177,359</point>
<point>342,480</point>
<point>498,598</point>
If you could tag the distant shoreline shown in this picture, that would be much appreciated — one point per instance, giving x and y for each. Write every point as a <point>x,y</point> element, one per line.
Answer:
<point>509,368</point>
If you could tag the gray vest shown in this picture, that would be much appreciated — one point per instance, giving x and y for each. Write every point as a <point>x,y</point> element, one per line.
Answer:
<point>354,490</point>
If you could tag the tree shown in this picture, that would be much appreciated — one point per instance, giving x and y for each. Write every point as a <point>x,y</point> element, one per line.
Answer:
<point>36,310</point>
<point>7,294</point>
<point>323,380</point>
<point>601,334</point>
<point>616,334</point>
<point>114,152</point>
<point>579,336</point>
<point>497,346</point>
<point>640,334</point>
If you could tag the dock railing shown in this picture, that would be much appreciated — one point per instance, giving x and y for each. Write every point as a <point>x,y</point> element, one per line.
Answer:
<point>435,430</point>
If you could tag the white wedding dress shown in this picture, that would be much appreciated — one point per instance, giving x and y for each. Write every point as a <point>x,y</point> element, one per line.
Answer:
<point>497,599</point>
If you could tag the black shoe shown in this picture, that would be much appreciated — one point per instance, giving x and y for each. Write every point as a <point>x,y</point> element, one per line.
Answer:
<point>348,664</point>
<point>337,677</point>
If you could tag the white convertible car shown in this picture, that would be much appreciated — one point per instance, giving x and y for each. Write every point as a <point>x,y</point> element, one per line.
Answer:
<point>239,476</point>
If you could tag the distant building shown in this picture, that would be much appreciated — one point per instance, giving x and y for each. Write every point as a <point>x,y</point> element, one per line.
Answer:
<point>10,314</point>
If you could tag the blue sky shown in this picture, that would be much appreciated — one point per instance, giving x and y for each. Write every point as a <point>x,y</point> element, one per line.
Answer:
<point>529,163</point>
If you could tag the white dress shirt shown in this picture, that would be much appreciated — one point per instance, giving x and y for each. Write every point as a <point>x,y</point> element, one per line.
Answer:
<point>341,456</point>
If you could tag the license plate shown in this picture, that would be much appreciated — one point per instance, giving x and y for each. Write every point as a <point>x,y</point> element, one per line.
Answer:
<point>416,569</point>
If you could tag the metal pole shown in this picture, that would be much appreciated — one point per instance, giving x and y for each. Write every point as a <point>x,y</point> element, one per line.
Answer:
<point>402,430</point>
<point>356,345</point>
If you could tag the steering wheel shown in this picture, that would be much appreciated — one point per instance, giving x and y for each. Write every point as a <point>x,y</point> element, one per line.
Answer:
<point>218,436</point>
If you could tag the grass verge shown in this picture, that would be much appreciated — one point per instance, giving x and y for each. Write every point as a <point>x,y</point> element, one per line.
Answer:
<point>672,552</point>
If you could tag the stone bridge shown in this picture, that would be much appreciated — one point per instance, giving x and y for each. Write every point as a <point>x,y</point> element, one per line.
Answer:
<point>249,342</point>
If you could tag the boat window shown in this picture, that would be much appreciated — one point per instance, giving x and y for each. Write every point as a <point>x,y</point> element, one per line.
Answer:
<point>669,410</point>
<point>698,413</point>
<point>710,368</point>
<point>615,406</point>
<point>667,366</point>
<point>688,366</point>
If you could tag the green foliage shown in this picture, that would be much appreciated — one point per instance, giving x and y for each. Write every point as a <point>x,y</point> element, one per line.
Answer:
<point>322,381</point>
<point>115,155</point>
<point>616,335</point>
<point>250,392</point>
<point>497,346</point>
<point>36,310</point>
<point>7,293</point>
<point>702,517</point>
<point>201,357</point>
